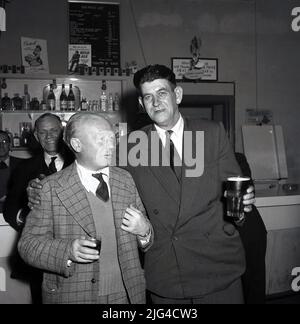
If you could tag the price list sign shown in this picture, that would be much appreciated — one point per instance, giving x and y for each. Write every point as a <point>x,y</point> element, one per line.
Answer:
<point>97,24</point>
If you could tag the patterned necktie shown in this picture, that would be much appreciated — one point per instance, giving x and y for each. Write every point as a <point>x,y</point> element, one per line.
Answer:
<point>3,165</point>
<point>102,189</point>
<point>52,167</point>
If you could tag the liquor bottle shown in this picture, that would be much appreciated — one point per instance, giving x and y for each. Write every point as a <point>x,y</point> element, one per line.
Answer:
<point>83,104</point>
<point>51,99</point>
<point>5,102</point>
<point>71,99</point>
<point>116,102</point>
<point>16,140</point>
<point>17,102</point>
<point>103,97</point>
<point>26,98</point>
<point>63,99</point>
<point>110,102</point>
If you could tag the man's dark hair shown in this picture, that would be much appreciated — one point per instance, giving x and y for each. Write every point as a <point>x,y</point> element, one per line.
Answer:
<point>42,117</point>
<point>153,72</point>
<point>4,133</point>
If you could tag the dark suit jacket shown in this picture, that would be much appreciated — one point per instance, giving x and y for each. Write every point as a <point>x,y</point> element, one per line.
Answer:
<point>16,195</point>
<point>64,215</point>
<point>254,237</point>
<point>5,176</point>
<point>195,252</point>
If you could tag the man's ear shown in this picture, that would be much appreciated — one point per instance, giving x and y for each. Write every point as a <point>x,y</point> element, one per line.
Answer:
<point>35,135</point>
<point>76,144</point>
<point>141,102</point>
<point>179,94</point>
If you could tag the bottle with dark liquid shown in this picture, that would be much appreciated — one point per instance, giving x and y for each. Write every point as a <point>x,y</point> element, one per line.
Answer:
<point>71,99</point>
<point>5,102</point>
<point>63,99</point>
<point>51,99</point>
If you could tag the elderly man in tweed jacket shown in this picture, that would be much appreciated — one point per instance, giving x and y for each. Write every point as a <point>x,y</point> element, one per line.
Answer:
<point>77,205</point>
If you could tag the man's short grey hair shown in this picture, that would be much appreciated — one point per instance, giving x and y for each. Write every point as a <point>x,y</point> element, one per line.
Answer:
<point>44,116</point>
<point>74,124</point>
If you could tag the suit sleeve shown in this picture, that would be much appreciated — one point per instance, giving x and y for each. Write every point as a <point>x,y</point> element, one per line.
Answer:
<point>228,165</point>
<point>144,246</point>
<point>16,197</point>
<point>38,245</point>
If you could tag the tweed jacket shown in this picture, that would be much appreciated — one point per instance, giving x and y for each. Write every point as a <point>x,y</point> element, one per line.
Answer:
<point>64,215</point>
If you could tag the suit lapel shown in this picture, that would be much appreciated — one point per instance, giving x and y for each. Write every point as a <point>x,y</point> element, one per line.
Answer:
<point>163,174</point>
<point>73,197</point>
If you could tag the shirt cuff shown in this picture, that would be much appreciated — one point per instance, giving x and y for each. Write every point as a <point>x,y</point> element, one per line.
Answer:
<point>144,240</point>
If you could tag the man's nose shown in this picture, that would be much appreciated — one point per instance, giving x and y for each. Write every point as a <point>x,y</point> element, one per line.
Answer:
<point>155,101</point>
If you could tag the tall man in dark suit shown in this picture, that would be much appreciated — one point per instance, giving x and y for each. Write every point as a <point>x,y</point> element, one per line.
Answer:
<point>197,257</point>
<point>89,199</point>
<point>53,157</point>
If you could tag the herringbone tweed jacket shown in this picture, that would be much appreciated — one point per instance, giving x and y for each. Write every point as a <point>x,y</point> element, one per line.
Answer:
<point>64,215</point>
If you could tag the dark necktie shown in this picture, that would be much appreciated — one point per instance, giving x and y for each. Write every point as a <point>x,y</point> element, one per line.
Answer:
<point>173,154</point>
<point>172,149</point>
<point>102,190</point>
<point>3,165</point>
<point>52,167</point>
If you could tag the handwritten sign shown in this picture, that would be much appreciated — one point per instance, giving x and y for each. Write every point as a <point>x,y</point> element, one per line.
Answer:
<point>97,24</point>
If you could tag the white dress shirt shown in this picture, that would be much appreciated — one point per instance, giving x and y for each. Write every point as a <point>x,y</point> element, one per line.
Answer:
<point>59,162</point>
<point>89,182</point>
<point>176,137</point>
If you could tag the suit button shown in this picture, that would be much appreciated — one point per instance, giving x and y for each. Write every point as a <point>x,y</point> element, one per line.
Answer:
<point>155,211</point>
<point>93,280</point>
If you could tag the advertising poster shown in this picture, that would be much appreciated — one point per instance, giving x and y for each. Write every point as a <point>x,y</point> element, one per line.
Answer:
<point>34,55</point>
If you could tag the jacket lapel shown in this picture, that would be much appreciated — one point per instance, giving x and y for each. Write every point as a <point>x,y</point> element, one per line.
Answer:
<point>164,174</point>
<point>73,197</point>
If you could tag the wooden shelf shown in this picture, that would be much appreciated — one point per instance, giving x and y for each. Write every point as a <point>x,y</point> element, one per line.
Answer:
<point>64,77</point>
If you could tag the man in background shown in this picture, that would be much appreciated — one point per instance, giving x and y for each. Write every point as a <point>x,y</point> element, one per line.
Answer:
<point>7,165</point>
<point>52,157</point>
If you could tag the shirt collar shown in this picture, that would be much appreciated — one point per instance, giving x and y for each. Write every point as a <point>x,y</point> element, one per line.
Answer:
<point>48,157</point>
<point>7,161</point>
<point>177,129</point>
<point>86,172</point>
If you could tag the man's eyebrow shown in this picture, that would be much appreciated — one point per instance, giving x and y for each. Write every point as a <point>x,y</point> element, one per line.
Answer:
<point>163,88</point>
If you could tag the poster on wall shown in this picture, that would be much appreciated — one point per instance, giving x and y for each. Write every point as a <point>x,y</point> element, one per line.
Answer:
<point>98,24</point>
<point>34,55</point>
<point>80,55</point>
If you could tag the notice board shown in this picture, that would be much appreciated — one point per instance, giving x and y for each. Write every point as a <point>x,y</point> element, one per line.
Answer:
<point>97,24</point>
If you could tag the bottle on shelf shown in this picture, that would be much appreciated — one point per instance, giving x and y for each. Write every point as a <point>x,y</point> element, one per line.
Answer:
<point>26,98</point>
<point>110,102</point>
<point>5,102</point>
<point>63,99</point>
<point>71,99</point>
<point>17,102</point>
<point>103,97</point>
<point>84,104</point>
<point>51,101</point>
<point>34,104</point>
<point>16,140</point>
<point>116,102</point>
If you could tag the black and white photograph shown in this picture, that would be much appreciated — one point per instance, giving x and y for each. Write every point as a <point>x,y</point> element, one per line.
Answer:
<point>149,155</point>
